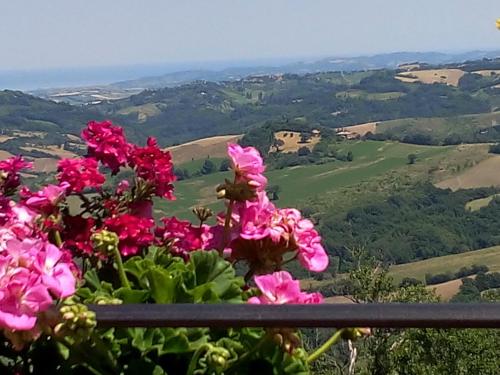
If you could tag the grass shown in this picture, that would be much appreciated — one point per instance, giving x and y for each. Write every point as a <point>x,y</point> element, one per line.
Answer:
<point>466,126</point>
<point>372,159</point>
<point>477,204</point>
<point>449,263</point>
<point>370,96</point>
<point>195,165</point>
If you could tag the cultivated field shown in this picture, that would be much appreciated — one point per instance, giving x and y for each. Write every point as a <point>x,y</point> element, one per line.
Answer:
<point>292,142</point>
<point>448,263</point>
<point>484,174</point>
<point>477,204</point>
<point>5,155</point>
<point>446,290</point>
<point>466,126</point>
<point>372,160</point>
<point>448,76</point>
<point>213,147</point>
<point>362,129</point>
<point>487,73</point>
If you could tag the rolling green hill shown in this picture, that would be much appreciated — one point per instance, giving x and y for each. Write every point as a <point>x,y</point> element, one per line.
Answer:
<point>202,109</point>
<point>449,263</point>
<point>372,160</point>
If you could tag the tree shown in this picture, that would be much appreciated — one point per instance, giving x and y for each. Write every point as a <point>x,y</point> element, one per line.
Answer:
<point>208,167</point>
<point>273,192</point>
<point>412,158</point>
<point>224,165</point>
<point>277,144</point>
<point>304,137</point>
<point>303,151</point>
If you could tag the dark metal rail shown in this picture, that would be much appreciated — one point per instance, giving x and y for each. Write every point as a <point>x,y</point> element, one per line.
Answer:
<point>327,315</point>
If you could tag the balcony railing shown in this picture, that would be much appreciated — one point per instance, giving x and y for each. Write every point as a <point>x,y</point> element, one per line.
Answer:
<point>326,315</point>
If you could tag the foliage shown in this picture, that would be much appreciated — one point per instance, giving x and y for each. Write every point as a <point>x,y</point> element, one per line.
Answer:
<point>119,255</point>
<point>422,223</point>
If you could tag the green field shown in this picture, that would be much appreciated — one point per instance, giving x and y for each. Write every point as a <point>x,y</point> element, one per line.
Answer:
<point>372,159</point>
<point>449,263</point>
<point>466,126</point>
<point>195,165</point>
<point>391,95</point>
<point>477,204</point>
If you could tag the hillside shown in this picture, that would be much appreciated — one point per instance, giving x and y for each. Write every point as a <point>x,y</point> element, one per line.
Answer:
<point>449,263</point>
<point>316,100</point>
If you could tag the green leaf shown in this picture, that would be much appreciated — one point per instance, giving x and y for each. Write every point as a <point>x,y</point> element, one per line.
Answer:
<point>162,285</point>
<point>131,295</point>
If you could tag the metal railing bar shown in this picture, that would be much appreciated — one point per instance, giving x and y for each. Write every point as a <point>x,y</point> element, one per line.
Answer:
<point>326,315</point>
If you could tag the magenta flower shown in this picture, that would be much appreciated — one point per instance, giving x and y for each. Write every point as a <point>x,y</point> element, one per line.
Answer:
<point>79,174</point>
<point>107,144</point>
<point>155,167</point>
<point>133,232</point>
<point>183,237</point>
<point>280,288</point>
<point>248,165</point>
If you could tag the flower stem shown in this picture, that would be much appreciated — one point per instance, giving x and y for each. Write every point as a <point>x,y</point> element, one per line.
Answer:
<point>57,238</point>
<point>227,223</point>
<point>121,270</point>
<point>245,356</point>
<point>323,348</point>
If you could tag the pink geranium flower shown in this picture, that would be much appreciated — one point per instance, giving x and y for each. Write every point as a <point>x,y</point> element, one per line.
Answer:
<point>280,288</point>
<point>22,297</point>
<point>56,274</point>
<point>133,232</point>
<point>107,144</point>
<point>9,171</point>
<point>311,255</point>
<point>248,165</point>
<point>79,174</point>
<point>46,200</point>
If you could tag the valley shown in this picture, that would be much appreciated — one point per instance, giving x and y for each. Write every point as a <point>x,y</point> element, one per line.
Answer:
<point>351,150</point>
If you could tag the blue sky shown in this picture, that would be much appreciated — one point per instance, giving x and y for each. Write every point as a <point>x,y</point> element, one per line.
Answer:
<point>38,34</point>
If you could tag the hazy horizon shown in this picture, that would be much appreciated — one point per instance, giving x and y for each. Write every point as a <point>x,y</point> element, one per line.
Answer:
<point>60,34</point>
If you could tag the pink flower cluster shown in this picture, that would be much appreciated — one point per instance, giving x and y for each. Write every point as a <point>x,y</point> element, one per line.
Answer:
<point>248,165</point>
<point>33,272</point>
<point>280,288</point>
<point>10,178</point>
<point>260,232</point>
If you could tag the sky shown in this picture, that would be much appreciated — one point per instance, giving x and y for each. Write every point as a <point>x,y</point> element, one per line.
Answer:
<point>38,34</point>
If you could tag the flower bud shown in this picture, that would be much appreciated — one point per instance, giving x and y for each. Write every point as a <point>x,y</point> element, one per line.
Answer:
<point>77,321</point>
<point>202,213</point>
<point>355,333</point>
<point>240,191</point>
<point>105,242</point>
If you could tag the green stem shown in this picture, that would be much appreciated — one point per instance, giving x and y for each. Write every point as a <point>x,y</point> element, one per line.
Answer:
<point>245,356</point>
<point>323,348</point>
<point>121,270</point>
<point>227,222</point>
<point>194,359</point>
<point>57,238</point>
